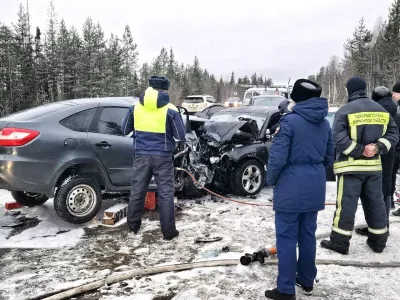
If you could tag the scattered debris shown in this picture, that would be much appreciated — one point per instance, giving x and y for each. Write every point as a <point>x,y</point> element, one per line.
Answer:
<point>207,239</point>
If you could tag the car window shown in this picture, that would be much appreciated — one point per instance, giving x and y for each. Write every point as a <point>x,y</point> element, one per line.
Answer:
<point>79,121</point>
<point>214,109</point>
<point>248,95</point>
<point>210,100</point>
<point>268,101</point>
<point>110,120</point>
<point>194,100</point>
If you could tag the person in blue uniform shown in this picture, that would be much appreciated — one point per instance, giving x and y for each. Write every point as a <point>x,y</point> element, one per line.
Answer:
<point>301,152</point>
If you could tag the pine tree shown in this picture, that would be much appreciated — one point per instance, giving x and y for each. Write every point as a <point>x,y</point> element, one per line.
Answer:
<point>268,82</point>
<point>40,70</point>
<point>52,54</point>
<point>254,79</point>
<point>7,65</point>
<point>144,77</point>
<point>196,76</point>
<point>163,60</point>
<point>116,82</point>
<point>246,80</point>
<point>171,69</point>
<point>76,63</point>
<point>64,76</point>
<point>392,43</point>
<point>130,58</point>
<point>232,82</point>
<point>24,79</point>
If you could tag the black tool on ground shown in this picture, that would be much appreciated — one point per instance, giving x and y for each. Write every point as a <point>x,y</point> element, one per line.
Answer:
<point>260,256</point>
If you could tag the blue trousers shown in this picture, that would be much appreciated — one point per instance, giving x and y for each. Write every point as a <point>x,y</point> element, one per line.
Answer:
<point>292,229</point>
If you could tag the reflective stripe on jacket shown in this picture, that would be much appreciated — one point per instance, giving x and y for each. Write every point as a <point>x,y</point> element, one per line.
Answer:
<point>357,124</point>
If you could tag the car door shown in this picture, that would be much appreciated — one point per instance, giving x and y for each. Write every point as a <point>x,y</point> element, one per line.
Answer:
<point>113,148</point>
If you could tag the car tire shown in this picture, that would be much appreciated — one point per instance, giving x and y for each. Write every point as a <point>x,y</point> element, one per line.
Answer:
<point>248,168</point>
<point>191,190</point>
<point>78,199</point>
<point>29,199</point>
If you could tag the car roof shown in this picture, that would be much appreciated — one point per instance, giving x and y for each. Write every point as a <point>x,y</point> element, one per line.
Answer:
<point>258,110</point>
<point>190,96</point>
<point>233,99</point>
<point>103,100</point>
<point>269,96</point>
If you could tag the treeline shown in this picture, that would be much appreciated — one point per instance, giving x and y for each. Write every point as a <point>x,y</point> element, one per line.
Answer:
<point>373,54</point>
<point>61,62</point>
<point>255,80</point>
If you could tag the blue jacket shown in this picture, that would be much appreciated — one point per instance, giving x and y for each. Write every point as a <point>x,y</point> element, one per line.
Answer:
<point>155,123</point>
<point>301,151</point>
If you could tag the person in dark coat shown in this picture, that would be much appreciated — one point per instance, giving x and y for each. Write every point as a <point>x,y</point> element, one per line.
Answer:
<point>396,166</point>
<point>362,131</point>
<point>301,152</point>
<point>383,96</point>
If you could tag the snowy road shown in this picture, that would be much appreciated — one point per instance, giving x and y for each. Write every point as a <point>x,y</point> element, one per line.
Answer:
<point>62,255</point>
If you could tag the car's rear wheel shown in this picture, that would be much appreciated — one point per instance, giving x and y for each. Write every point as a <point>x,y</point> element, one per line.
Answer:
<point>29,199</point>
<point>248,178</point>
<point>78,199</point>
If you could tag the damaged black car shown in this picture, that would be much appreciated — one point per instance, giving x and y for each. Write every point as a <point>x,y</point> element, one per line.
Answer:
<point>228,152</point>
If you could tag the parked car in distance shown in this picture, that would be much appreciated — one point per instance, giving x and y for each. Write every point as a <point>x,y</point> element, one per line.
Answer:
<point>233,102</point>
<point>266,101</point>
<point>196,103</point>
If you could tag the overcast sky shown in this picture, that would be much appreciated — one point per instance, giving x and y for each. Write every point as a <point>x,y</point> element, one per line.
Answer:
<point>278,38</point>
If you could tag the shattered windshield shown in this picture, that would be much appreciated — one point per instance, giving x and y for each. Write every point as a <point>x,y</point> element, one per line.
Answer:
<point>231,117</point>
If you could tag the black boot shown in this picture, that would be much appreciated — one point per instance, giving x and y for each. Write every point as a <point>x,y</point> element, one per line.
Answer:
<point>362,231</point>
<point>396,213</point>
<point>376,248</point>
<point>276,295</point>
<point>172,236</point>
<point>327,244</point>
<point>135,227</point>
<point>306,290</point>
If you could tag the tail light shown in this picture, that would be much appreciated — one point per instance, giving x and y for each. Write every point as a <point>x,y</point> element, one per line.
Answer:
<point>16,136</point>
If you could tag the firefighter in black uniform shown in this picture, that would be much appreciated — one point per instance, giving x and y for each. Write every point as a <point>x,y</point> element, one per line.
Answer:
<point>383,96</point>
<point>362,130</point>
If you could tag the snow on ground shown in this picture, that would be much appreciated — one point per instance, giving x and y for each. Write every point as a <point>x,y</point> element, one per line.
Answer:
<point>51,254</point>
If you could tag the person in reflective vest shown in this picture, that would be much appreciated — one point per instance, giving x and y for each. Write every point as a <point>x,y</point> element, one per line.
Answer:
<point>156,124</point>
<point>362,131</point>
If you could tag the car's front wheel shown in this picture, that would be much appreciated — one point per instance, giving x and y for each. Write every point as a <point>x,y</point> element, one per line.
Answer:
<point>29,199</point>
<point>248,178</point>
<point>78,199</point>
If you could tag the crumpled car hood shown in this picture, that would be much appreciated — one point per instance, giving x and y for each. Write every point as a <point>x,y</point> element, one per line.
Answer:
<point>222,132</point>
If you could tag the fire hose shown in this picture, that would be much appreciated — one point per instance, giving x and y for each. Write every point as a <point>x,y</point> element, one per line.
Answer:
<point>224,197</point>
